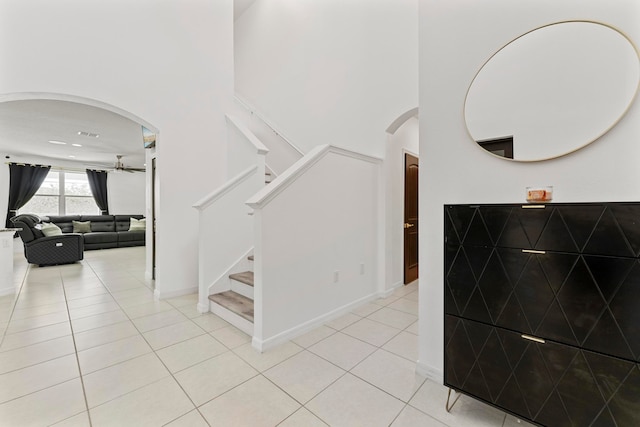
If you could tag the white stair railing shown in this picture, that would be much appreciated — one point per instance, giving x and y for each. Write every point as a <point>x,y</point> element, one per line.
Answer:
<point>319,243</point>
<point>282,152</point>
<point>225,225</point>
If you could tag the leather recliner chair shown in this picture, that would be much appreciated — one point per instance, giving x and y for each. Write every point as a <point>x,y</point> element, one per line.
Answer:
<point>47,250</point>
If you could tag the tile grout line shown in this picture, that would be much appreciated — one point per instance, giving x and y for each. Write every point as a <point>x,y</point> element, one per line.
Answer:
<point>233,350</point>
<point>85,261</point>
<point>15,302</point>
<point>259,373</point>
<point>349,371</point>
<point>157,356</point>
<point>345,371</point>
<point>75,347</point>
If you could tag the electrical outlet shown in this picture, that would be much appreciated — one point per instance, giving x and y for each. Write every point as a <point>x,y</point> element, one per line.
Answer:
<point>362,268</point>
<point>336,276</point>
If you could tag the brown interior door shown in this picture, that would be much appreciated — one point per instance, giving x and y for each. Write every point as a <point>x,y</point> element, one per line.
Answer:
<point>410,218</point>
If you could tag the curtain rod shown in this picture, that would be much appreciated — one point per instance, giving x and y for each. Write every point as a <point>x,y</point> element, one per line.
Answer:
<point>59,168</point>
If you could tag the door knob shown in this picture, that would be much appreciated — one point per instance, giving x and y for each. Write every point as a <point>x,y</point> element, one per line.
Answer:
<point>407,225</point>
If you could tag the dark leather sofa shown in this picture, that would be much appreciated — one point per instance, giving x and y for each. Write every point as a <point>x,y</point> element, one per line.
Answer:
<point>107,231</point>
<point>42,250</point>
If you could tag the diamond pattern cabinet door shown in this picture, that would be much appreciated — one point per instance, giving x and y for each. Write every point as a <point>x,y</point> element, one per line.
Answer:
<point>457,221</point>
<point>608,237</point>
<point>460,282</point>
<point>494,285</point>
<point>618,382</point>
<point>476,362</point>
<point>581,221</point>
<point>625,309</point>
<point>600,299</point>
<point>495,218</point>
<point>582,297</point>
<point>459,356</point>
<point>628,218</point>
<point>555,235</point>
<point>625,404</point>
<point>525,227</point>
<point>579,392</point>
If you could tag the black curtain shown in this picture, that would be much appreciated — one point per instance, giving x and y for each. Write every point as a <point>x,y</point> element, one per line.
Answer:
<point>98,184</point>
<point>24,182</point>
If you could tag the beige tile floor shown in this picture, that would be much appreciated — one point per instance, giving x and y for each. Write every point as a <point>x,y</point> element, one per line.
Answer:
<point>87,345</point>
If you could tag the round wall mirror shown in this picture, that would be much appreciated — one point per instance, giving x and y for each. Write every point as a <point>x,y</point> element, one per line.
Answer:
<point>552,91</point>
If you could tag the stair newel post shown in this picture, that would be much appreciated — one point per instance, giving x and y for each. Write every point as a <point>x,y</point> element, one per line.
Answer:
<point>203,302</point>
<point>258,263</point>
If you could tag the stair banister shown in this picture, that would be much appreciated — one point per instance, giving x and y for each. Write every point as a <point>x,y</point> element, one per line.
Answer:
<point>225,229</point>
<point>259,146</point>
<point>225,232</point>
<point>265,195</point>
<point>245,104</point>
<point>319,243</point>
<point>210,198</point>
<point>283,153</point>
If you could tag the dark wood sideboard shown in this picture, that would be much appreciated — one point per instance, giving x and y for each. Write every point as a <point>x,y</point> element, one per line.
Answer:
<point>542,310</point>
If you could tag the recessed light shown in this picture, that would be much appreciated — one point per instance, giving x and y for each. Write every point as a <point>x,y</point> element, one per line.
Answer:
<point>73,157</point>
<point>58,142</point>
<point>77,145</point>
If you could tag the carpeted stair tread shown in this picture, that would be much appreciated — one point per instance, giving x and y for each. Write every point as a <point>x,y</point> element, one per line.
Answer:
<point>234,302</point>
<point>245,277</point>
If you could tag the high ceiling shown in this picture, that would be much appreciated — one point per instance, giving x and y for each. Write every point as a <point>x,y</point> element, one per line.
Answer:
<point>26,127</point>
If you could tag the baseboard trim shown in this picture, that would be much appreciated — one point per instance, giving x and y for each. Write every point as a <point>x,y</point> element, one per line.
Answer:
<point>390,290</point>
<point>265,344</point>
<point>429,372</point>
<point>172,294</point>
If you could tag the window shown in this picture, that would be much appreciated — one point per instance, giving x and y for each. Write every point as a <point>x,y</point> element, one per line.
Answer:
<point>63,193</point>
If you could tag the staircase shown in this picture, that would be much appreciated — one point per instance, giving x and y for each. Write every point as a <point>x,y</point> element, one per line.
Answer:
<point>236,304</point>
<point>226,277</point>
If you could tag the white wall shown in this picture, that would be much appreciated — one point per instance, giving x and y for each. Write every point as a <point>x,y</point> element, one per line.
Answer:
<point>169,63</point>
<point>329,72</point>
<point>404,140</point>
<point>126,193</point>
<point>456,38</point>
<point>327,220</point>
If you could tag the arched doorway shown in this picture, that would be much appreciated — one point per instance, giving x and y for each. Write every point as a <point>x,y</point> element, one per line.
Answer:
<point>31,120</point>
<point>402,143</point>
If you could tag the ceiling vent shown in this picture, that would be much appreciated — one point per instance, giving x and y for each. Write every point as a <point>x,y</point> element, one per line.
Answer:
<point>89,134</point>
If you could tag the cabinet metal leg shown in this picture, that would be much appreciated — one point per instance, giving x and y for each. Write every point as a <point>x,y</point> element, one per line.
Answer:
<point>447,406</point>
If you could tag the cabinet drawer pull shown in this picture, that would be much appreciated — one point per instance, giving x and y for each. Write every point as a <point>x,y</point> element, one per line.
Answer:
<point>530,338</point>
<point>533,251</point>
<point>533,206</point>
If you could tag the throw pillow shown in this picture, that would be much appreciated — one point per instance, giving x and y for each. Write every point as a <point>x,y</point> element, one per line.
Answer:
<point>81,226</point>
<point>50,229</point>
<point>138,224</point>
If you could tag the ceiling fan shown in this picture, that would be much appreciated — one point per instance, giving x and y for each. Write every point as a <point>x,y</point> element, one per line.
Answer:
<point>119,166</point>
